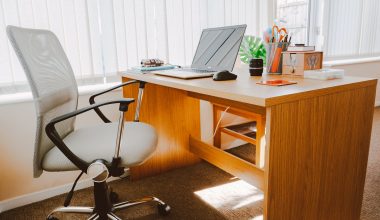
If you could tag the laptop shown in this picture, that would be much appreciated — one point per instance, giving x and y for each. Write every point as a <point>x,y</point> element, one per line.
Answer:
<point>217,50</point>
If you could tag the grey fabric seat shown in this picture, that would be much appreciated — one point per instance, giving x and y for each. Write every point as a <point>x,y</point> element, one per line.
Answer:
<point>98,142</point>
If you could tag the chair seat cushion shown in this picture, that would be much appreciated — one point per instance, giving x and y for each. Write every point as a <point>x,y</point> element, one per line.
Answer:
<point>98,142</point>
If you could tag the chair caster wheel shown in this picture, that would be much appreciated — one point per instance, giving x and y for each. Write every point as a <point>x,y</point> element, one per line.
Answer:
<point>114,197</point>
<point>163,209</point>
<point>52,218</point>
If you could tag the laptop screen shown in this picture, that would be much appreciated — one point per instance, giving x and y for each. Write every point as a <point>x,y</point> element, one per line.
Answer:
<point>218,48</point>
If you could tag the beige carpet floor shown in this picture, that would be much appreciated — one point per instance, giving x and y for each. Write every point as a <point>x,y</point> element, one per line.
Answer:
<point>202,192</point>
<point>371,200</point>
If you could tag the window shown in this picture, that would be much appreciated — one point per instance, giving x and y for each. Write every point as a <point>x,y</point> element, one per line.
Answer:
<point>352,28</point>
<point>342,28</point>
<point>295,15</point>
<point>101,37</point>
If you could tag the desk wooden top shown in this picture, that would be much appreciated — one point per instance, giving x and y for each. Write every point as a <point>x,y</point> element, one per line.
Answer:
<point>245,89</point>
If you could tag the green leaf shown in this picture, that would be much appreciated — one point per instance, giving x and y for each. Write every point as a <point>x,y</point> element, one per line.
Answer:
<point>252,47</point>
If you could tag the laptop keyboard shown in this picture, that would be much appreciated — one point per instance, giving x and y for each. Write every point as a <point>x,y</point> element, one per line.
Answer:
<point>196,70</point>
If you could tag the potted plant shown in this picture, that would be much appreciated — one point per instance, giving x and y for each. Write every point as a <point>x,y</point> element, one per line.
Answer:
<point>252,47</point>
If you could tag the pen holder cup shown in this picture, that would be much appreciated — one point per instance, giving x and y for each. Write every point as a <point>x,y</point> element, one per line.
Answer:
<point>274,56</point>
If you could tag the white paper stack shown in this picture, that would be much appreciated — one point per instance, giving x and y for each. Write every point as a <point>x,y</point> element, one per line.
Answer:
<point>324,74</point>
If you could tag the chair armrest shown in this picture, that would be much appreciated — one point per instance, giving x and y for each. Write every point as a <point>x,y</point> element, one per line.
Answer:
<point>57,140</point>
<point>92,98</point>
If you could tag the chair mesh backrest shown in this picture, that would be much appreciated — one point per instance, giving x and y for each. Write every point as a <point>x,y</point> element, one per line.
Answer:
<point>51,80</point>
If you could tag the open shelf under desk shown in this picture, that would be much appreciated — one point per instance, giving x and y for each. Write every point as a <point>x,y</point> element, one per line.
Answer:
<point>245,152</point>
<point>245,131</point>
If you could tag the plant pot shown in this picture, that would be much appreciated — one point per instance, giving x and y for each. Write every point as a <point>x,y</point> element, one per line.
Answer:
<point>256,66</point>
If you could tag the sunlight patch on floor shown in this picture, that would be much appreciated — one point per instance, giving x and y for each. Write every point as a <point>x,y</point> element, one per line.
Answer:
<point>231,196</point>
<point>249,200</point>
<point>260,217</point>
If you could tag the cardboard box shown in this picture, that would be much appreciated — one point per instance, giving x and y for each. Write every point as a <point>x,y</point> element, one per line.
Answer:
<point>295,63</point>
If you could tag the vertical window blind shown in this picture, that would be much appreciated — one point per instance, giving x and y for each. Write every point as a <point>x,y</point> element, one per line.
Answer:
<point>101,37</point>
<point>352,28</point>
<point>343,29</point>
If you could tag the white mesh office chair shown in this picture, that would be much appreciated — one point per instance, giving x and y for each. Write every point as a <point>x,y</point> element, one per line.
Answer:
<point>91,150</point>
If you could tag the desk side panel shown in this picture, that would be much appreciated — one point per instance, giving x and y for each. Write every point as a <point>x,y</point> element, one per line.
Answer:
<point>175,117</point>
<point>317,152</point>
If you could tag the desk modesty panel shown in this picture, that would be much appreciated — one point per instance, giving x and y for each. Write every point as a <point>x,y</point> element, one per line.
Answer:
<point>316,141</point>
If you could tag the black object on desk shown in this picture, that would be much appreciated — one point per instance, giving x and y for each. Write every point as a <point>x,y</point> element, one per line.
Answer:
<point>224,75</point>
<point>256,67</point>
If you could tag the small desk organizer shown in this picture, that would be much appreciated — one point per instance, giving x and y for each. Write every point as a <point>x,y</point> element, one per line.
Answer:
<point>274,56</point>
<point>295,63</point>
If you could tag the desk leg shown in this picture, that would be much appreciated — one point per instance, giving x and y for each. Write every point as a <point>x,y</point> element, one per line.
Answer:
<point>175,117</point>
<point>260,142</point>
<point>316,156</point>
<point>216,117</point>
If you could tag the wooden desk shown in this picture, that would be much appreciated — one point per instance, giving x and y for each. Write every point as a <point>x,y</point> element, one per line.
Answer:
<point>317,136</point>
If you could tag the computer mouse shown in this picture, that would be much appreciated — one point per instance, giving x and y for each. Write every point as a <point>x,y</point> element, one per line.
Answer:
<point>224,75</point>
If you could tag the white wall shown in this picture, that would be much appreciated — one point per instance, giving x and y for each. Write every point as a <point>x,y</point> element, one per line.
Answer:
<point>17,130</point>
<point>367,69</point>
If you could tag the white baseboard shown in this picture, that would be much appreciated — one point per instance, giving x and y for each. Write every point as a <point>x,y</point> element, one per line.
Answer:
<point>45,194</point>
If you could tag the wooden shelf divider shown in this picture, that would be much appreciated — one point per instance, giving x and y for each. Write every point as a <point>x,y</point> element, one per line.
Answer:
<point>245,131</point>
